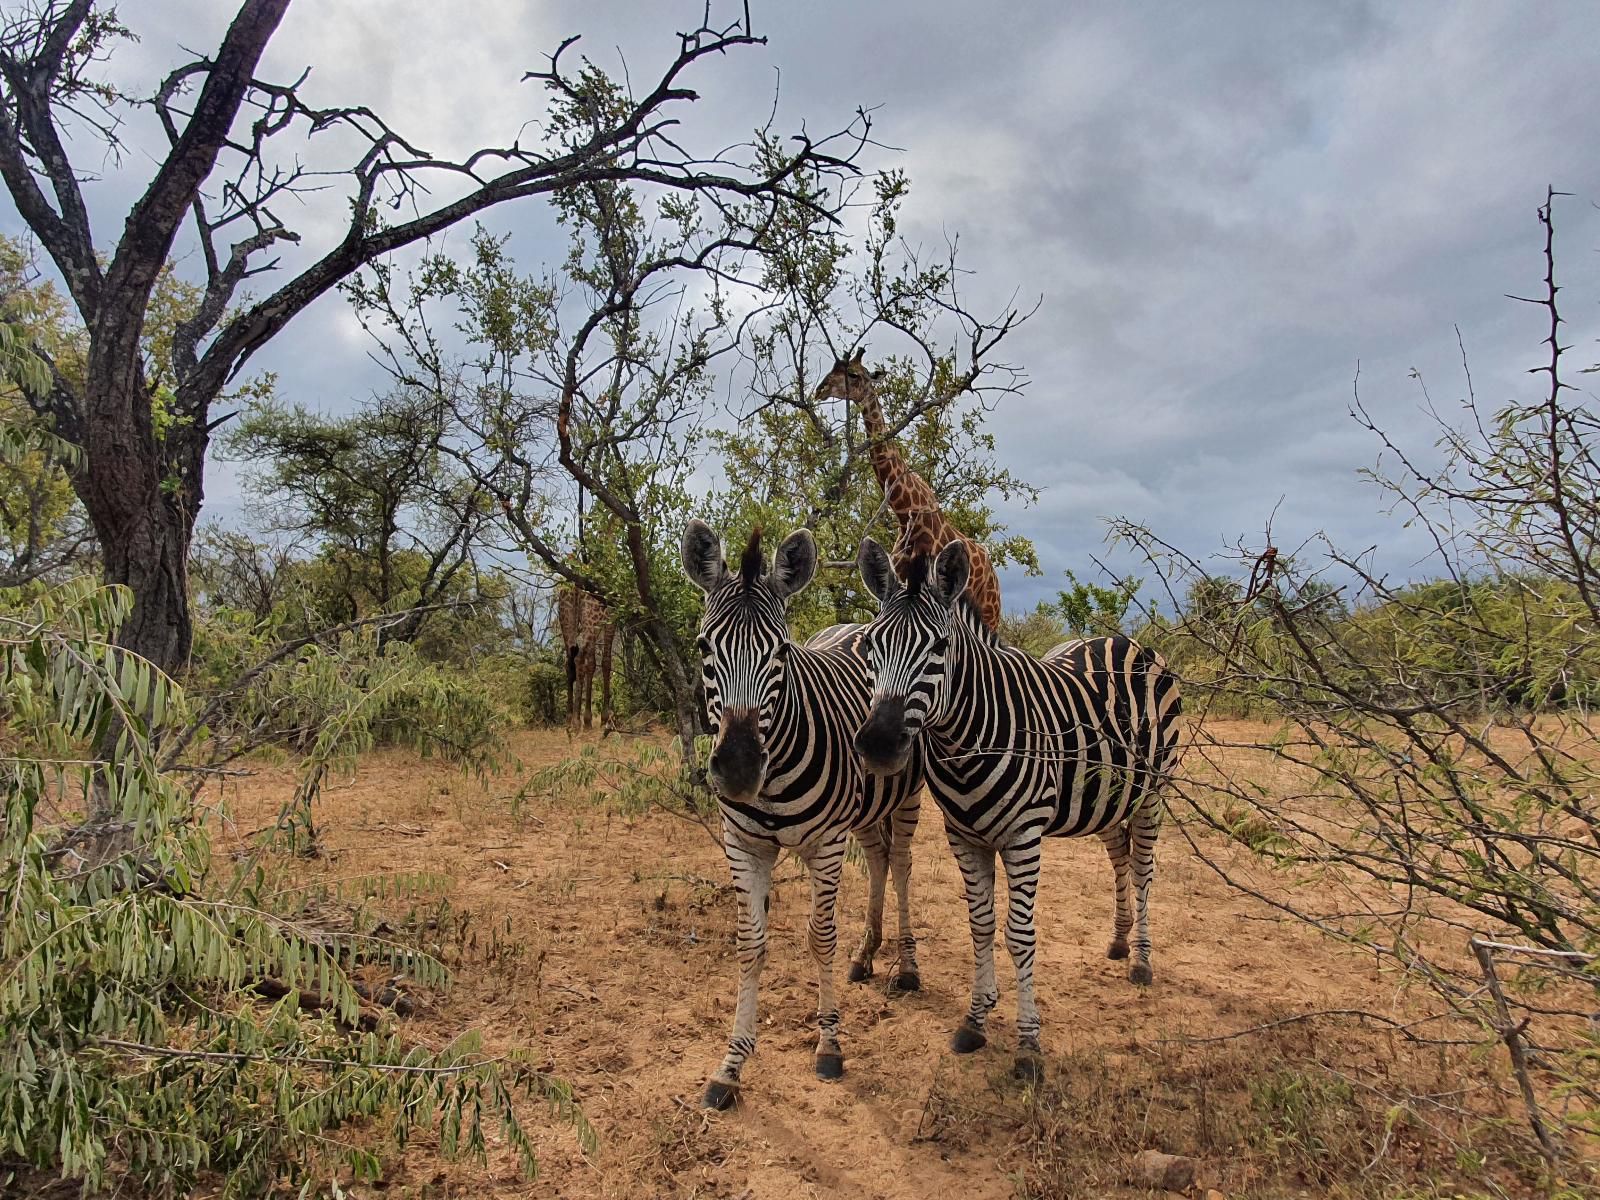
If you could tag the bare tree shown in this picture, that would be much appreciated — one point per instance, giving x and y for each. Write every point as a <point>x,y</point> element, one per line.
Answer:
<point>224,173</point>
<point>1434,764</point>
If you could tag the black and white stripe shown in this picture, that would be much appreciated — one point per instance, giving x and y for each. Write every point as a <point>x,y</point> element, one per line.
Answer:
<point>1016,749</point>
<point>783,716</point>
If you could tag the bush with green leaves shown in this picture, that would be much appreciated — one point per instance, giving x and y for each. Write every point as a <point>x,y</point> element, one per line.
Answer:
<point>135,1048</point>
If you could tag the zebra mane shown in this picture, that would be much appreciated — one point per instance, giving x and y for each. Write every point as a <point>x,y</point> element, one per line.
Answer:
<point>750,561</point>
<point>918,572</point>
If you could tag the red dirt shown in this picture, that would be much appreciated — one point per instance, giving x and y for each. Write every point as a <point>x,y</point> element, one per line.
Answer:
<point>625,986</point>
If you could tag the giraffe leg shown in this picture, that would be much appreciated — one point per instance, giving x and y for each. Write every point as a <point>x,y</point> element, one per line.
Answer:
<point>751,863</point>
<point>1022,884</point>
<point>1143,827</point>
<point>572,683</point>
<point>605,680</point>
<point>977,874</point>
<point>587,684</point>
<point>903,824</point>
<point>824,864</point>
<point>1116,843</point>
<point>873,844</point>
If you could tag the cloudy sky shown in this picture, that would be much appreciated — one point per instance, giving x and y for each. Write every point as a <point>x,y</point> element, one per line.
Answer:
<point>1225,207</point>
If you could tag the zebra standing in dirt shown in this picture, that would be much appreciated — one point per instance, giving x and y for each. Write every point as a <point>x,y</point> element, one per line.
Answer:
<point>1016,749</point>
<point>782,716</point>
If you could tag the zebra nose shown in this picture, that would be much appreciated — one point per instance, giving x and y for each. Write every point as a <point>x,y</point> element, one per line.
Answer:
<point>884,741</point>
<point>738,761</point>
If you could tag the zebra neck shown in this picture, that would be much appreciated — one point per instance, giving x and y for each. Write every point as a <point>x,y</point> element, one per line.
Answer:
<point>971,643</point>
<point>788,708</point>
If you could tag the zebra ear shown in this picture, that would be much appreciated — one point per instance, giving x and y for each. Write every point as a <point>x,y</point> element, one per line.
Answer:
<point>702,556</point>
<point>953,570</point>
<point>877,572</point>
<point>794,565</point>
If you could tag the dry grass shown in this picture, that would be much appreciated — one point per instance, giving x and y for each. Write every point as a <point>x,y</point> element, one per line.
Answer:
<point>601,941</point>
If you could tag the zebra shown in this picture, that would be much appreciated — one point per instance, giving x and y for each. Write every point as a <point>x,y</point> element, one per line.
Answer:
<point>1016,749</point>
<point>782,716</point>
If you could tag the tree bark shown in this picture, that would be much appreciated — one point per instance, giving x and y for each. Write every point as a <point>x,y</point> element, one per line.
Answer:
<point>146,549</point>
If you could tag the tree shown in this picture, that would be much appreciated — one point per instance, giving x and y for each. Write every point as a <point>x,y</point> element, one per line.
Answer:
<point>1091,610</point>
<point>143,433</point>
<point>43,531</point>
<point>788,460</point>
<point>395,521</point>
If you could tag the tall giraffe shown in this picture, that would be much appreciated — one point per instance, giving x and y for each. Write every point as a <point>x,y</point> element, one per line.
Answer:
<point>586,634</point>
<point>923,525</point>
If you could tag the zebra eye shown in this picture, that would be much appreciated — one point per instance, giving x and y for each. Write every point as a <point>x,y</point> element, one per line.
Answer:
<point>705,646</point>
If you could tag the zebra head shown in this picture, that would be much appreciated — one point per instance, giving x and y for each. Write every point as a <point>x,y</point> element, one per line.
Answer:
<point>744,645</point>
<point>906,645</point>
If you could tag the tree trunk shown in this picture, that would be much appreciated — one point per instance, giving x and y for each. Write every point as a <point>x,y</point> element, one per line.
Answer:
<point>146,548</point>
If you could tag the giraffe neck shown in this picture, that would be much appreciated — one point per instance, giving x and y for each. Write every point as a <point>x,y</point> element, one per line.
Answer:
<point>887,464</point>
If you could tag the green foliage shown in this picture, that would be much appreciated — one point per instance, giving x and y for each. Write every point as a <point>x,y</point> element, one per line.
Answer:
<point>1035,631</point>
<point>396,525</point>
<point>1091,610</point>
<point>129,1046</point>
<point>43,531</point>
<point>789,462</point>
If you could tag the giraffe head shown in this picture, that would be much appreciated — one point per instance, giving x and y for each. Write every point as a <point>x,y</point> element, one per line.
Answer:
<point>744,647</point>
<point>906,646</point>
<point>848,380</point>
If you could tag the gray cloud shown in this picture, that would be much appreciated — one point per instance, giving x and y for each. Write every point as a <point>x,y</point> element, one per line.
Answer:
<point>1226,207</point>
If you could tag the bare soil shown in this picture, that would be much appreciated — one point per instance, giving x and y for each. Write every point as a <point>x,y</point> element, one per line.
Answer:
<point>603,944</point>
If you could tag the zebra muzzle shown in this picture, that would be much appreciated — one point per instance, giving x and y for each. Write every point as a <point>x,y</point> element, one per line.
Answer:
<point>884,739</point>
<point>738,764</point>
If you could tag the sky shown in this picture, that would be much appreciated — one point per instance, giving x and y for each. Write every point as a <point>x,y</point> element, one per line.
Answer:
<point>1225,209</point>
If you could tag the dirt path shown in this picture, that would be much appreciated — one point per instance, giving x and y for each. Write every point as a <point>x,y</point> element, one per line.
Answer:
<point>604,945</point>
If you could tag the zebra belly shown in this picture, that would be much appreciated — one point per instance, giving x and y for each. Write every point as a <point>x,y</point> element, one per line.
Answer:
<point>997,800</point>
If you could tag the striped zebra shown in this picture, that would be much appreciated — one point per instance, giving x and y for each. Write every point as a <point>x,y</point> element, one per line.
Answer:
<point>1016,749</point>
<point>782,716</point>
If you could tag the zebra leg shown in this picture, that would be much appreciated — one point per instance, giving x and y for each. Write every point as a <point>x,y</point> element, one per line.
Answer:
<point>903,823</point>
<point>1022,884</point>
<point>1116,843</point>
<point>872,839</point>
<point>825,863</point>
<point>977,874</point>
<point>1143,827</point>
<point>751,863</point>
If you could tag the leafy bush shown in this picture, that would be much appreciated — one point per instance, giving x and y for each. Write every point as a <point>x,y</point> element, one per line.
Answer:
<point>131,1046</point>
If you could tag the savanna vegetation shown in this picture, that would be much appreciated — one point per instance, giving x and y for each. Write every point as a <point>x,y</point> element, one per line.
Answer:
<point>211,983</point>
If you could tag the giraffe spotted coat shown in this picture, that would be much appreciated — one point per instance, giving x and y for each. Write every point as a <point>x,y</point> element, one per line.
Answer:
<point>923,526</point>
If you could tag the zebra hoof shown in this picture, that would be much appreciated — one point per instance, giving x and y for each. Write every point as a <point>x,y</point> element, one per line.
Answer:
<point>860,972</point>
<point>719,1096</point>
<point>830,1066</point>
<point>1117,949</point>
<point>1029,1068</point>
<point>1140,973</point>
<point>906,981</point>
<point>966,1039</point>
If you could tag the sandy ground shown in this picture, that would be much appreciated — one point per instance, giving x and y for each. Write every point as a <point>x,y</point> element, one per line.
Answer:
<point>604,945</point>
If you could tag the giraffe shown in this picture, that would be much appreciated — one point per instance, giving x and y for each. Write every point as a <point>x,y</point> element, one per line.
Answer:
<point>586,634</point>
<point>923,525</point>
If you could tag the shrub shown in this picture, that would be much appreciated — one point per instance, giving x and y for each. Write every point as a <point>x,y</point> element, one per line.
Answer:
<point>131,1046</point>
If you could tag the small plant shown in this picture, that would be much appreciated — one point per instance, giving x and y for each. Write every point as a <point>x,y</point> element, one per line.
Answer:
<point>653,778</point>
